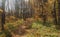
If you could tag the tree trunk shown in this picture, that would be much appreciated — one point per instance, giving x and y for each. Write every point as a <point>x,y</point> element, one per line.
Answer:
<point>3,15</point>
<point>58,12</point>
<point>54,14</point>
<point>17,9</point>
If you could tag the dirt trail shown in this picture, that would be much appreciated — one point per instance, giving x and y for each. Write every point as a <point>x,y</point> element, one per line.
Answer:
<point>23,29</point>
<point>23,35</point>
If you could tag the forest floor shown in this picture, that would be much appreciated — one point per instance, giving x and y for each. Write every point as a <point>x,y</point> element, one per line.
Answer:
<point>30,28</point>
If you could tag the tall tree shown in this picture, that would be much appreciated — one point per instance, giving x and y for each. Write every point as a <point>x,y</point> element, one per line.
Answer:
<point>17,8</point>
<point>54,13</point>
<point>44,16</point>
<point>3,14</point>
<point>58,12</point>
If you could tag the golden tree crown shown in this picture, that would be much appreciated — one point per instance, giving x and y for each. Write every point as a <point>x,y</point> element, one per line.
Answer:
<point>1,10</point>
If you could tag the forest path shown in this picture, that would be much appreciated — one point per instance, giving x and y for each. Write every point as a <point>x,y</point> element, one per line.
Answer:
<point>23,35</point>
<point>23,29</point>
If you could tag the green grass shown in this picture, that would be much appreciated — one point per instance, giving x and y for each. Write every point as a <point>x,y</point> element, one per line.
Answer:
<point>40,30</point>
